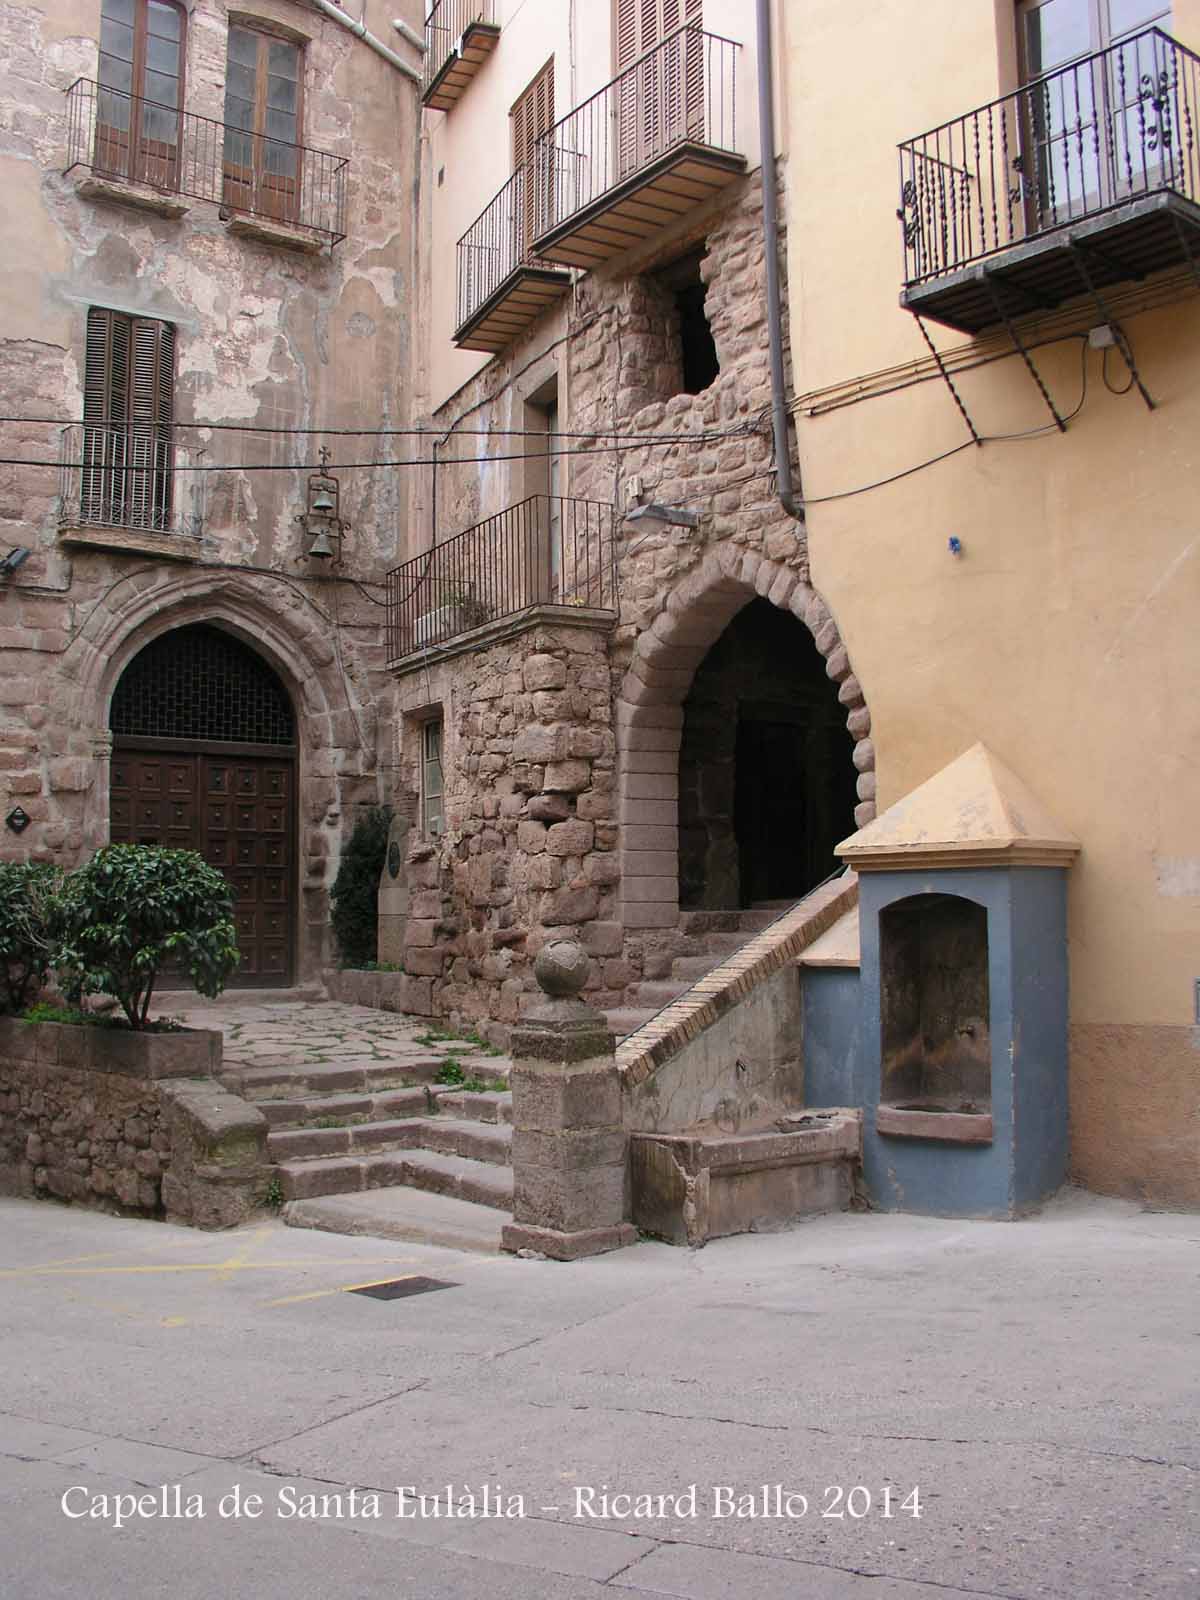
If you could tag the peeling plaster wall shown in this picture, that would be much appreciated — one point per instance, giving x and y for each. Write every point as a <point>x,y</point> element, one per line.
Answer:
<point>265,335</point>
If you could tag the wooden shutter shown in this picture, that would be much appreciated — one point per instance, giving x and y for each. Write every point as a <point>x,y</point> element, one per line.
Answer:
<point>129,398</point>
<point>531,117</point>
<point>662,99</point>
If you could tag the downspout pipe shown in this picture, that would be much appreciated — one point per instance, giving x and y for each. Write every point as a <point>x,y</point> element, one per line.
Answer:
<point>359,29</point>
<point>770,199</point>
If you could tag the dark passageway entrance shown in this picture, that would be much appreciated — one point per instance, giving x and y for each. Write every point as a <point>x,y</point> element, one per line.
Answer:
<point>766,776</point>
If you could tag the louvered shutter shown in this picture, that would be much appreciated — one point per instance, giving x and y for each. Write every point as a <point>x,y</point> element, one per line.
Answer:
<point>128,409</point>
<point>532,116</point>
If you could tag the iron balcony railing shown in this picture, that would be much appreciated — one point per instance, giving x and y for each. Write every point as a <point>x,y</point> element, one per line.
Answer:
<point>683,91</point>
<point>545,551</point>
<point>119,135</point>
<point>445,25</point>
<point>498,242</point>
<point>1077,142</point>
<point>123,476</point>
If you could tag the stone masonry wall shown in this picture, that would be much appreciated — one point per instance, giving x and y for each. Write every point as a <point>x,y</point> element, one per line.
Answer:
<point>528,850</point>
<point>487,910</point>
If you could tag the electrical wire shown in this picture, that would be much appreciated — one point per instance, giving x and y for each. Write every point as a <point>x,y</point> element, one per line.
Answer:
<point>1104,375</point>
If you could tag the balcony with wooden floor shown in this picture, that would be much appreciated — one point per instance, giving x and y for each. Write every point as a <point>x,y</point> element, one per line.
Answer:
<point>460,35</point>
<point>642,153</point>
<point>503,286</point>
<point>1087,177</point>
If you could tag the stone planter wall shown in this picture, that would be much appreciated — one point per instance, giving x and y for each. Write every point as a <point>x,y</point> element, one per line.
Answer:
<point>128,1122</point>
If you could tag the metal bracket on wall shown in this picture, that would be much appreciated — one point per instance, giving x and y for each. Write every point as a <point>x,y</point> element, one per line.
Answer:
<point>947,379</point>
<point>1079,256</point>
<point>1189,254</point>
<point>1025,355</point>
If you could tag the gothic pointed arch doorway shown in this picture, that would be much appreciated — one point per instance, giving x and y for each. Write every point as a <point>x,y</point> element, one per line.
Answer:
<point>204,758</point>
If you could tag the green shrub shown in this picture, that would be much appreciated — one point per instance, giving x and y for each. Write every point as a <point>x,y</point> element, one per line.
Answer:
<point>133,908</point>
<point>355,893</point>
<point>29,893</point>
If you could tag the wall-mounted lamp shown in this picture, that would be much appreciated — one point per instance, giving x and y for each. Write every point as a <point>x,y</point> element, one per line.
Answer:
<point>322,519</point>
<point>671,516</point>
<point>15,557</point>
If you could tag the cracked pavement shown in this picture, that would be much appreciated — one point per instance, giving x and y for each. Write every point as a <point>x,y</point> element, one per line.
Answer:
<point>1037,1382</point>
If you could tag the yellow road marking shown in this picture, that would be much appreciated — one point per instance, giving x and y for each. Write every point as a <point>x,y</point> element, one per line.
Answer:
<point>222,1269</point>
<point>239,1258</point>
<point>342,1288</point>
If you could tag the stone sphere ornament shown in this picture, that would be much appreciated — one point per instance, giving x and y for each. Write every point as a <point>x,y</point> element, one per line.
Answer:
<point>561,968</point>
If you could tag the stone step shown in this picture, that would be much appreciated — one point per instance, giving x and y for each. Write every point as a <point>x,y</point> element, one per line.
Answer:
<point>480,1141</point>
<point>319,1078</point>
<point>625,1020</point>
<point>658,994</point>
<point>687,969</point>
<point>415,1215</point>
<point>701,922</point>
<point>489,1107</point>
<point>458,1176</point>
<point>762,916</point>
<point>347,1108</point>
<point>722,945</point>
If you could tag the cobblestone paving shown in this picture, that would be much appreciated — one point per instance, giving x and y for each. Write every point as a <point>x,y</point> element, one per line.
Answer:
<point>306,1033</point>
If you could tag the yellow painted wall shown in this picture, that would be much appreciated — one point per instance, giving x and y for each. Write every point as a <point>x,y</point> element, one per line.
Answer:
<point>1066,635</point>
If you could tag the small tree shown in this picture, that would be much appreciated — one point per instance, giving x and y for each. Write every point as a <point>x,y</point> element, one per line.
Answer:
<point>355,893</point>
<point>29,893</point>
<point>134,907</point>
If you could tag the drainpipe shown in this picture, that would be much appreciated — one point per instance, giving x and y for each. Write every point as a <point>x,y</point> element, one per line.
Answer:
<point>770,194</point>
<point>411,34</point>
<point>360,30</point>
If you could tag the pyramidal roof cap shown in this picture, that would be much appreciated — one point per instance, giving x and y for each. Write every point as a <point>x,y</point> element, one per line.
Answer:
<point>975,812</point>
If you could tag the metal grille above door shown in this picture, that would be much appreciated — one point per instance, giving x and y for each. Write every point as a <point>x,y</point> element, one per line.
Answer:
<point>200,683</point>
<point>203,759</point>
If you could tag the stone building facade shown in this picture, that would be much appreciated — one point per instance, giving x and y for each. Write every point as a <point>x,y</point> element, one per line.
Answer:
<point>646,383</point>
<point>210,268</point>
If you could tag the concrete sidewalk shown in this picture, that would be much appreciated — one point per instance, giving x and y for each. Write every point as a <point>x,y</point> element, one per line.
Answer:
<point>1036,1383</point>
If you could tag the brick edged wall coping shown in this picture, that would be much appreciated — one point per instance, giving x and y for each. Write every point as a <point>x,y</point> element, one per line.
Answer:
<point>656,1041</point>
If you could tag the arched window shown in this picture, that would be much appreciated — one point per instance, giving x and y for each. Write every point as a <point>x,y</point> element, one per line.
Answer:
<point>138,132</point>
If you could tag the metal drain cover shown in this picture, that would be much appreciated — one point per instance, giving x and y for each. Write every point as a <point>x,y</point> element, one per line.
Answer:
<point>401,1288</point>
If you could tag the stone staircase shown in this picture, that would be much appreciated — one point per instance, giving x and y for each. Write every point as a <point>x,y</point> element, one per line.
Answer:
<point>706,939</point>
<point>338,1131</point>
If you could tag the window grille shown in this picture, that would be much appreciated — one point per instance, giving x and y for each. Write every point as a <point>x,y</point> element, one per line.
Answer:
<point>201,683</point>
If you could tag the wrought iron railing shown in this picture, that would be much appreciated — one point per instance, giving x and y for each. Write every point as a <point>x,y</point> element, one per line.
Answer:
<point>684,91</point>
<point>545,551</point>
<point>498,242</point>
<point>125,476</point>
<point>445,25</point>
<point>119,135</point>
<point>1075,143</point>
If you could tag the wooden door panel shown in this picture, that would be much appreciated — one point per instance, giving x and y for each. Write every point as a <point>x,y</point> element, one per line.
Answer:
<point>238,814</point>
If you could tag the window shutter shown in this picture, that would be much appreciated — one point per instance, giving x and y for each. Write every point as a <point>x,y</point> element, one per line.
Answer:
<point>627,33</point>
<point>531,117</point>
<point>129,398</point>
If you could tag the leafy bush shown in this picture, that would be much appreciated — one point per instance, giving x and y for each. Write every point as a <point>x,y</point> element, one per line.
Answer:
<point>355,893</point>
<point>29,895</point>
<point>133,908</point>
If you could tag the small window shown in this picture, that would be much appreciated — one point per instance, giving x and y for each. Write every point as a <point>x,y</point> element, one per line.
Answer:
<point>128,412</point>
<point>697,350</point>
<point>262,124</point>
<point>433,820</point>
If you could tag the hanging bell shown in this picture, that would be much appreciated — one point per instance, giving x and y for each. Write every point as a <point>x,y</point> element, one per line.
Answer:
<point>322,503</point>
<point>321,547</point>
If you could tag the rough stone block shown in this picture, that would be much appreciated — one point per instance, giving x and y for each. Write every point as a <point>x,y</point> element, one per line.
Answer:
<point>573,838</point>
<point>568,777</point>
<point>544,672</point>
<point>562,907</point>
<point>602,938</point>
<point>549,1099</point>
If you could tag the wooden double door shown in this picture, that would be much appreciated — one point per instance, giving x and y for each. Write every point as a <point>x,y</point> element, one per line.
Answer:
<point>238,811</point>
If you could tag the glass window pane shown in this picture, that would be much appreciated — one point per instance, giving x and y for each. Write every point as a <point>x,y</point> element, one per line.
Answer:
<point>284,59</point>
<point>116,74</point>
<point>243,47</point>
<point>117,11</point>
<point>281,126</point>
<point>281,93</point>
<point>159,124</point>
<point>1055,33</point>
<point>1126,15</point>
<point>162,55</point>
<point>163,21</point>
<point>116,39</point>
<point>162,90</point>
<point>237,148</point>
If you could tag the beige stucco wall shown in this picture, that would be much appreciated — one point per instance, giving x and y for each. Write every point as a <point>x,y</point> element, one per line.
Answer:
<point>1065,635</point>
